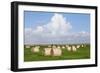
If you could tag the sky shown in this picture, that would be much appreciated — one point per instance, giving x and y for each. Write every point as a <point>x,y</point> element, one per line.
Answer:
<point>56,28</point>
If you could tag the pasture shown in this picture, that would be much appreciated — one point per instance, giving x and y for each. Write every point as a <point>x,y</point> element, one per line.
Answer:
<point>82,52</point>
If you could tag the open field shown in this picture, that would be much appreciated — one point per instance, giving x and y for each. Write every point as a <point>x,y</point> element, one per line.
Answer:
<point>80,53</point>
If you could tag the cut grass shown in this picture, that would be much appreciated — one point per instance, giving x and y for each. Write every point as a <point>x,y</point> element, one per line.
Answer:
<point>81,53</point>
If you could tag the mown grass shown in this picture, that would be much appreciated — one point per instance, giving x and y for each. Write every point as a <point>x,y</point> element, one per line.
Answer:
<point>81,53</point>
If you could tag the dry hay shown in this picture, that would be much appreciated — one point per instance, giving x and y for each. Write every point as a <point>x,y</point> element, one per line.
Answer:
<point>78,46</point>
<point>35,49</point>
<point>67,45</point>
<point>47,51</point>
<point>27,46</point>
<point>53,51</point>
<point>69,48</point>
<point>82,45</point>
<point>53,46</point>
<point>63,47</point>
<point>49,45</point>
<point>74,48</point>
<point>56,52</point>
<point>58,47</point>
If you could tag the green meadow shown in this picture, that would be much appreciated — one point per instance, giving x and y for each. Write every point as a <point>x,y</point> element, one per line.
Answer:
<point>81,53</point>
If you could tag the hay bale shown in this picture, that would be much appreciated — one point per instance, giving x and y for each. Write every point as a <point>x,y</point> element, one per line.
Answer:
<point>56,52</point>
<point>35,49</point>
<point>53,46</point>
<point>38,46</point>
<point>47,51</point>
<point>27,46</point>
<point>69,48</point>
<point>78,46</point>
<point>52,51</point>
<point>58,47</point>
<point>67,45</point>
<point>74,48</point>
<point>49,45</point>
<point>82,45</point>
<point>63,47</point>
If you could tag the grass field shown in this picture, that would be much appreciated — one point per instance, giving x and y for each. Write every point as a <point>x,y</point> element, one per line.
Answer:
<point>81,53</point>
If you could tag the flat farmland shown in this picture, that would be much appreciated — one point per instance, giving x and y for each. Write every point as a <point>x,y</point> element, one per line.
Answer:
<point>83,52</point>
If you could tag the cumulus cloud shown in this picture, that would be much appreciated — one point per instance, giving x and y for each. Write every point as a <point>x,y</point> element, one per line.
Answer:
<point>39,29</point>
<point>55,31</point>
<point>58,25</point>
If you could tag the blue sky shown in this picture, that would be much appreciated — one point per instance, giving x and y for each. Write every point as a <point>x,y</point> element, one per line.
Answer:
<point>79,23</point>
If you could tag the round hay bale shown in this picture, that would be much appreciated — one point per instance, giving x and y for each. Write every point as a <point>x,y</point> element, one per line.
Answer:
<point>56,52</point>
<point>27,46</point>
<point>82,45</point>
<point>69,48</point>
<point>78,46</point>
<point>58,47</point>
<point>67,45</point>
<point>53,46</point>
<point>74,48</point>
<point>35,49</point>
<point>47,51</point>
<point>49,45</point>
<point>63,47</point>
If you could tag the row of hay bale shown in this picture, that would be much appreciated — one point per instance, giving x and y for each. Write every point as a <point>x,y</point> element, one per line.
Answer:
<point>55,50</point>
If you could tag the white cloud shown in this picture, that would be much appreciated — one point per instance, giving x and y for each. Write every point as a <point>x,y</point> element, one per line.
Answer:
<point>58,25</point>
<point>39,29</point>
<point>55,31</point>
